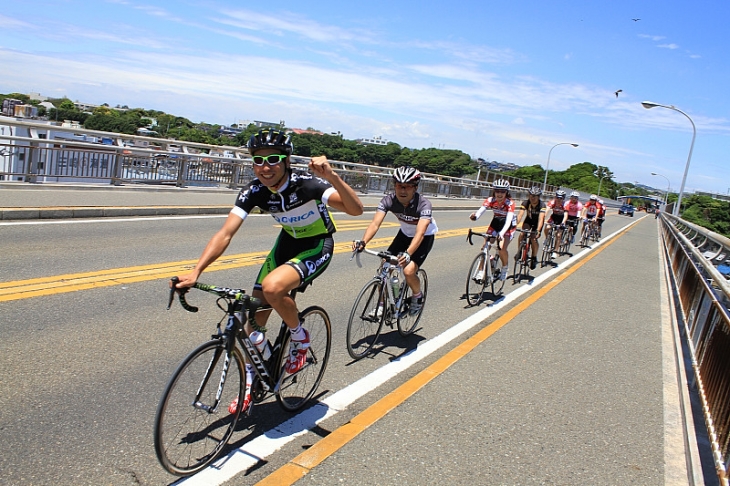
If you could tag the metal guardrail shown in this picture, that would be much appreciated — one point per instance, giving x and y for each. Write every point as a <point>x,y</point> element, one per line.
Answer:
<point>704,299</point>
<point>38,152</point>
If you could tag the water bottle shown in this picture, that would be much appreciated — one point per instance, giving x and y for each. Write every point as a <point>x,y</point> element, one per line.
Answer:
<point>262,344</point>
<point>396,286</point>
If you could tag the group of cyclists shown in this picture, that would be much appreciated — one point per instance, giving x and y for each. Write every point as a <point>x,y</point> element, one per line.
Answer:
<point>535,217</point>
<point>298,201</point>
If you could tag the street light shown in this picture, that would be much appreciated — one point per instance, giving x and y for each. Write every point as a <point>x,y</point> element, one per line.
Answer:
<point>666,194</point>
<point>648,105</point>
<point>547,166</point>
<point>599,186</point>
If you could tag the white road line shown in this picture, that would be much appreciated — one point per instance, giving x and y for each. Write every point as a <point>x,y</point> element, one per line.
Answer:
<point>274,439</point>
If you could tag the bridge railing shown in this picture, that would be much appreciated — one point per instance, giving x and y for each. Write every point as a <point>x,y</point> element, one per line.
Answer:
<point>38,152</point>
<point>697,257</point>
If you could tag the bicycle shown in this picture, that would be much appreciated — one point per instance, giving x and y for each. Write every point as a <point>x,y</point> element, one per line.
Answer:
<point>191,428</point>
<point>480,274</point>
<point>549,245</point>
<point>589,232</point>
<point>567,239</point>
<point>522,258</point>
<point>384,299</point>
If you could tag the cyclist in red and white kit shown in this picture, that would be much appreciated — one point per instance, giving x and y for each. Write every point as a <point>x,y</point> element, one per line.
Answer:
<point>590,210</point>
<point>417,229</point>
<point>503,223</point>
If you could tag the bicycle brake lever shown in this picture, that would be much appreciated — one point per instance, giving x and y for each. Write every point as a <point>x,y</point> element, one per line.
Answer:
<point>357,259</point>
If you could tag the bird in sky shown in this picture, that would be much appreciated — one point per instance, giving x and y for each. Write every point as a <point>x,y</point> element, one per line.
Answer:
<point>617,92</point>
<point>635,20</point>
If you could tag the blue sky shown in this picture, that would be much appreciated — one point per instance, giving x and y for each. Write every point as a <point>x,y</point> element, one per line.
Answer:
<point>502,80</point>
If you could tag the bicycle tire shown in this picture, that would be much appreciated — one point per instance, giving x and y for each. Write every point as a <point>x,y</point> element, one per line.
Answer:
<point>475,289</point>
<point>497,283</point>
<point>406,322</point>
<point>187,437</point>
<point>520,262</point>
<point>296,389</point>
<point>364,325</point>
<point>547,249</point>
<point>584,236</point>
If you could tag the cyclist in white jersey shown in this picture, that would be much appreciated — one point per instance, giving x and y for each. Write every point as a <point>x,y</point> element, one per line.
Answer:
<point>417,229</point>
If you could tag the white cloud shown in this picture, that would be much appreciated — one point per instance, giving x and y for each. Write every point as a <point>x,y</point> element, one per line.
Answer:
<point>668,46</point>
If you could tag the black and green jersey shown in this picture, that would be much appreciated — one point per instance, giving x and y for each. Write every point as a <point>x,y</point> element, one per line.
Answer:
<point>300,206</point>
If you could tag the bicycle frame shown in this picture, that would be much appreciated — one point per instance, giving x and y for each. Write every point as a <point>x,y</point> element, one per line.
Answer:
<point>237,304</point>
<point>388,266</point>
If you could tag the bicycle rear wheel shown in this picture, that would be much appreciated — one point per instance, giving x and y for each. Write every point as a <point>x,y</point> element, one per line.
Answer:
<point>407,322</point>
<point>190,428</point>
<point>474,286</point>
<point>364,325</point>
<point>296,389</point>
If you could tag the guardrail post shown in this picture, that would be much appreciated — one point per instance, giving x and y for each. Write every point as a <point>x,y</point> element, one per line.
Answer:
<point>234,176</point>
<point>182,169</point>
<point>116,179</point>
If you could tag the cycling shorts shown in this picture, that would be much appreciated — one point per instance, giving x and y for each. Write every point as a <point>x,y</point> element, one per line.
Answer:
<point>556,223</point>
<point>401,242</point>
<point>590,217</point>
<point>573,222</point>
<point>507,236</point>
<point>308,256</point>
<point>529,224</point>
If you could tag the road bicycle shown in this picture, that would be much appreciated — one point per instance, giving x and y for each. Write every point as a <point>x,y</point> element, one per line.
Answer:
<point>522,258</point>
<point>384,300</point>
<point>552,243</point>
<point>193,422</point>
<point>567,239</point>
<point>589,232</point>
<point>480,275</point>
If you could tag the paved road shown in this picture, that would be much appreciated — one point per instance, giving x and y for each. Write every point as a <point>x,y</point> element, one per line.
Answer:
<point>562,383</point>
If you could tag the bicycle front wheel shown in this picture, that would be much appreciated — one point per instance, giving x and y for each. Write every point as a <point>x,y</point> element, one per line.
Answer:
<point>408,318</point>
<point>366,320</point>
<point>547,250</point>
<point>474,285</point>
<point>497,279</point>
<point>296,389</point>
<point>520,259</point>
<point>191,427</point>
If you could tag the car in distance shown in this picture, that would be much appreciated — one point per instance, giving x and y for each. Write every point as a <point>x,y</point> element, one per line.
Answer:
<point>626,209</point>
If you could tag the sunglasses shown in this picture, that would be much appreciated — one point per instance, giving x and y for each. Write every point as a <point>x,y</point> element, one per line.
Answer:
<point>500,190</point>
<point>273,159</point>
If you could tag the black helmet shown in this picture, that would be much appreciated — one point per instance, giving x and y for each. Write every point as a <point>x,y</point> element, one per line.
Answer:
<point>560,193</point>
<point>407,175</point>
<point>535,191</point>
<point>270,138</point>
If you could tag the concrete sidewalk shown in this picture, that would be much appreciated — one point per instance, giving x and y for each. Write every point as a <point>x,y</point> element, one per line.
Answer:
<point>23,201</point>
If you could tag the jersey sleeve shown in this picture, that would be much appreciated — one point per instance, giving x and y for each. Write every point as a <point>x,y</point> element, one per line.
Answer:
<point>245,201</point>
<point>386,204</point>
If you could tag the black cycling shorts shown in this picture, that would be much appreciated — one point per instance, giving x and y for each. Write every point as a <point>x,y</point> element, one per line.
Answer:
<point>401,242</point>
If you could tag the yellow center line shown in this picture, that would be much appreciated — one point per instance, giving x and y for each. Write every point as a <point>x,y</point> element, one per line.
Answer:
<point>72,282</point>
<point>301,465</point>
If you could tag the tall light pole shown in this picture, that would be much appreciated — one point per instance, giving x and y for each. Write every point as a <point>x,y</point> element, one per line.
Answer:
<point>666,194</point>
<point>649,105</point>
<point>547,166</point>
<point>599,186</point>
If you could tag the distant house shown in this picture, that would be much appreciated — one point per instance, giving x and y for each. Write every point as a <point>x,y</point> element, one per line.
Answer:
<point>372,141</point>
<point>301,131</point>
